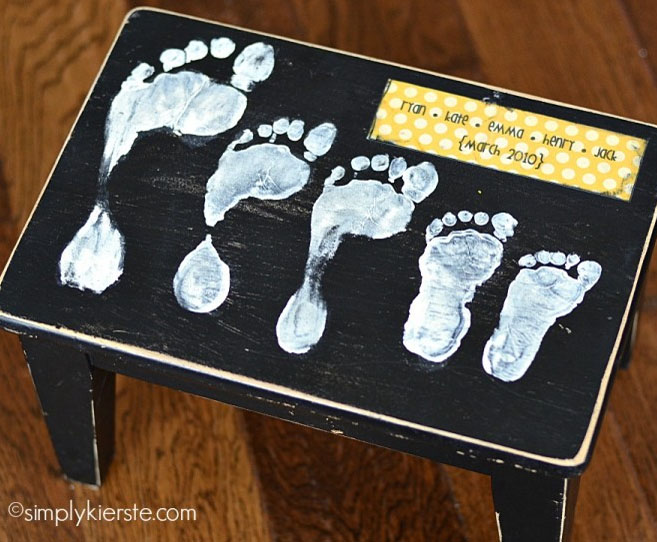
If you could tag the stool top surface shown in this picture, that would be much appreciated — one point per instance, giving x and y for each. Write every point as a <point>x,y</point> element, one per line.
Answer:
<point>197,216</point>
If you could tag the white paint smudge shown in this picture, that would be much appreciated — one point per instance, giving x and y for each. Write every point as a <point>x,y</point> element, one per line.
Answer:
<point>202,281</point>
<point>536,298</point>
<point>452,267</point>
<point>93,260</point>
<point>366,208</point>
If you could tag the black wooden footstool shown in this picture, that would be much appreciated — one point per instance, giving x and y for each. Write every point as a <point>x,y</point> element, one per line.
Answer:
<point>411,260</point>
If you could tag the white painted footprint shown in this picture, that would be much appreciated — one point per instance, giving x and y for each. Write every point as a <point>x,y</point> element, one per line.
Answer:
<point>452,267</point>
<point>536,298</point>
<point>369,208</point>
<point>185,102</point>
<point>266,171</point>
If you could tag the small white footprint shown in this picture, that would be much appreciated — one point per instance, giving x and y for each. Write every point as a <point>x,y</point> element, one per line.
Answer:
<point>368,208</point>
<point>187,103</point>
<point>265,171</point>
<point>536,298</point>
<point>452,267</point>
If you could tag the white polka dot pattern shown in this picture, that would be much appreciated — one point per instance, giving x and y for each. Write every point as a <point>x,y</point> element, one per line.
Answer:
<point>510,140</point>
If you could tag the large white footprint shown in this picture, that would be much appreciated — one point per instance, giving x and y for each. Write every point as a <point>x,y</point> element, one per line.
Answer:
<point>452,267</point>
<point>265,171</point>
<point>368,208</point>
<point>536,298</point>
<point>185,102</point>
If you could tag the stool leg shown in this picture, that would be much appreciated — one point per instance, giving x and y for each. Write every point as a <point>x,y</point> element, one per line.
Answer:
<point>77,401</point>
<point>533,507</point>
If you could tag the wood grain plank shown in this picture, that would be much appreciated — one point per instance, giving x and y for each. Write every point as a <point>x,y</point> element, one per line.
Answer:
<point>643,18</point>
<point>473,496</point>
<point>327,489</point>
<point>635,417</point>
<point>426,34</point>
<point>51,54</point>
<point>564,51</point>
<point>612,504</point>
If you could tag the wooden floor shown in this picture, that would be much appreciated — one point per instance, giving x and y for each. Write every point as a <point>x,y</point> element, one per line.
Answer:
<point>252,478</point>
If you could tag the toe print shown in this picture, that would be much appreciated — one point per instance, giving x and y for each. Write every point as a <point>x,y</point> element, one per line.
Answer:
<point>252,66</point>
<point>264,170</point>
<point>452,267</point>
<point>185,102</point>
<point>368,208</point>
<point>536,298</point>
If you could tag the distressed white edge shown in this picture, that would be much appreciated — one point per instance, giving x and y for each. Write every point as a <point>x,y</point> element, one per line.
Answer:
<point>578,459</point>
<point>406,66</point>
<point>93,424</point>
<point>563,509</point>
<point>563,514</point>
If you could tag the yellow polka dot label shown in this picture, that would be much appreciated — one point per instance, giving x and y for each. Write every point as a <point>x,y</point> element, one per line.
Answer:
<point>520,142</point>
